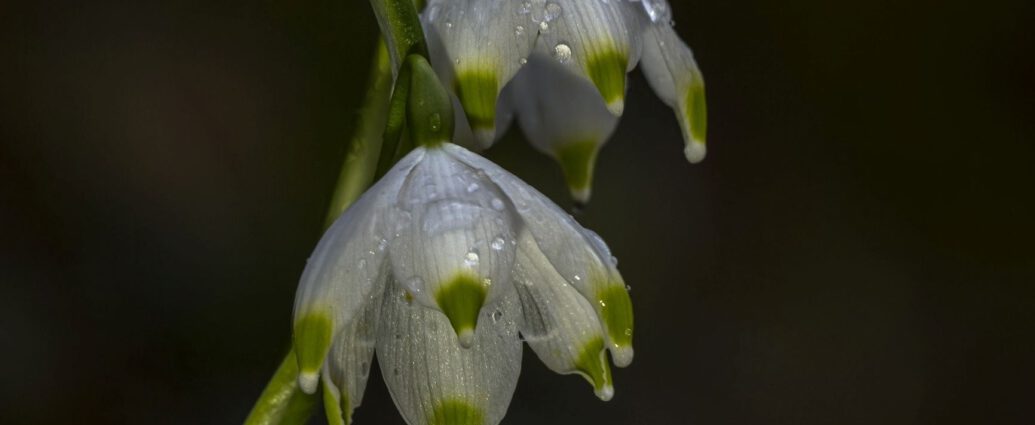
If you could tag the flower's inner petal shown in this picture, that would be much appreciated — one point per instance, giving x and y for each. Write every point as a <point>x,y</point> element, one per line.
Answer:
<point>344,272</point>
<point>455,245</point>
<point>559,323</point>
<point>477,46</point>
<point>348,364</point>
<point>578,255</point>
<point>672,72</point>
<point>563,116</point>
<point>433,380</point>
<point>597,40</point>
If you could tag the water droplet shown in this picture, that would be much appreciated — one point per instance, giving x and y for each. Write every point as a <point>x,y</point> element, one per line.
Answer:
<point>544,27</point>
<point>628,288</point>
<point>414,284</point>
<point>497,204</point>
<point>553,11</point>
<point>449,24</point>
<point>522,61</point>
<point>602,303</point>
<point>435,121</point>
<point>628,332</point>
<point>382,245</point>
<point>519,30</point>
<point>487,282</point>
<point>471,259</point>
<point>525,8</point>
<point>457,61</point>
<point>496,316</point>
<point>362,263</point>
<point>562,52</point>
<point>578,278</point>
<point>473,187</point>
<point>657,10</point>
<point>614,261</point>
<point>498,243</point>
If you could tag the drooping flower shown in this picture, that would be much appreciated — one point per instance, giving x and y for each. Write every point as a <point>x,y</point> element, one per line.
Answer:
<point>442,268</point>
<point>479,46</point>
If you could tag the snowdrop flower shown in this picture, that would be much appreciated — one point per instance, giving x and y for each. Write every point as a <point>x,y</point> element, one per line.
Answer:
<point>442,268</point>
<point>479,46</point>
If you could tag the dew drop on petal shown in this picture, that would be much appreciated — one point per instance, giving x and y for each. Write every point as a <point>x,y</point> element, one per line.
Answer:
<point>473,187</point>
<point>497,204</point>
<point>553,11</point>
<point>498,243</point>
<point>519,30</point>
<point>496,316</point>
<point>578,278</point>
<point>414,284</point>
<point>471,259</point>
<point>628,332</point>
<point>435,121</point>
<point>562,52</point>
<point>362,264</point>
<point>544,27</point>
<point>522,61</point>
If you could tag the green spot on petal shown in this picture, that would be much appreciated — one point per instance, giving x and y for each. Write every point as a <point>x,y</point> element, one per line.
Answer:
<point>461,299</point>
<point>456,412</point>
<point>607,71</point>
<point>312,341</point>
<point>477,90</point>
<point>577,161</point>
<point>592,362</point>
<point>696,112</point>
<point>616,309</point>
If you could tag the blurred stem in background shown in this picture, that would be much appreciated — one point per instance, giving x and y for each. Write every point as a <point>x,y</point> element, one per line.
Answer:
<point>357,171</point>
<point>282,402</point>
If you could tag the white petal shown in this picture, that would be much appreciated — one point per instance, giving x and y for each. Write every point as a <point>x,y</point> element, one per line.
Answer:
<point>344,272</point>
<point>577,254</point>
<point>671,70</point>
<point>478,46</point>
<point>559,323</point>
<point>434,381</point>
<point>453,239</point>
<point>348,364</point>
<point>595,39</point>
<point>563,116</point>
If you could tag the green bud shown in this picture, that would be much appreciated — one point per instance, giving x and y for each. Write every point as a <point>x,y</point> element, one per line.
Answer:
<point>429,110</point>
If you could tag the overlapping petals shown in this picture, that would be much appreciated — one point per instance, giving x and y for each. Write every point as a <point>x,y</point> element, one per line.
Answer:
<point>438,268</point>
<point>479,46</point>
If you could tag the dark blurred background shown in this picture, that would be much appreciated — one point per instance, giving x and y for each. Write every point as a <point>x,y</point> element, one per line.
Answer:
<point>858,248</point>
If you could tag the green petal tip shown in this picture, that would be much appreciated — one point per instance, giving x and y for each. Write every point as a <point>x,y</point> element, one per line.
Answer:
<point>461,300</point>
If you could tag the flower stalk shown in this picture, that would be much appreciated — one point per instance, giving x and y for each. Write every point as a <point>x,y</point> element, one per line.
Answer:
<point>378,143</point>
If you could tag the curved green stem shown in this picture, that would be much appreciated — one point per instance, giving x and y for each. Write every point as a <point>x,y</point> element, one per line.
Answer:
<point>357,171</point>
<point>283,402</point>
<point>400,23</point>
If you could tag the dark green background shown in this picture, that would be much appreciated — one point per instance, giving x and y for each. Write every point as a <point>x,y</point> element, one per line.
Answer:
<point>857,248</point>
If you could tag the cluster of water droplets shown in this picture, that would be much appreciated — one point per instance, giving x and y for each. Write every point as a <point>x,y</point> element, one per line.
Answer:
<point>656,10</point>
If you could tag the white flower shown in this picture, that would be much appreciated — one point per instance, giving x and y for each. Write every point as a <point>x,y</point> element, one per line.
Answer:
<point>438,268</point>
<point>479,46</point>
